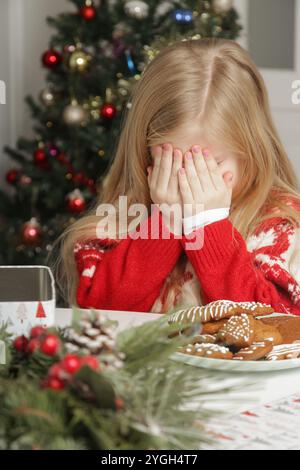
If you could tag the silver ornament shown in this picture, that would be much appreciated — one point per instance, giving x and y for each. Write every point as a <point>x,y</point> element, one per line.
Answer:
<point>74,114</point>
<point>136,9</point>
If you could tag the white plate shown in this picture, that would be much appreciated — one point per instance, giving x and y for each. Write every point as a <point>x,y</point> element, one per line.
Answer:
<point>239,366</point>
<point>235,366</point>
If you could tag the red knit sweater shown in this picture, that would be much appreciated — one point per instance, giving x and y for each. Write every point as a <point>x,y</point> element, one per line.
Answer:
<point>129,274</point>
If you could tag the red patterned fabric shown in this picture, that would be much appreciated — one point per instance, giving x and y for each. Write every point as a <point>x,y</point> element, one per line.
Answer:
<point>134,275</point>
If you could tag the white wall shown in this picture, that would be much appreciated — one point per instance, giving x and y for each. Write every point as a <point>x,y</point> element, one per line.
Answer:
<point>24,35</point>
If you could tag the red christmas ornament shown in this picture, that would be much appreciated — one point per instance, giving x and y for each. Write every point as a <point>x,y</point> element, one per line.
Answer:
<point>37,331</point>
<point>51,58</point>
<point>108,111</point>
<point>12,176</point>
<point>87,12</point>
<point>71,363</point>
<point>31,232</point>
<point>90,361</point>
<point>33,345</point>
<point>40,156</point>
<point>20,343</point>
<point>75,202</point>
<point>50,345</point>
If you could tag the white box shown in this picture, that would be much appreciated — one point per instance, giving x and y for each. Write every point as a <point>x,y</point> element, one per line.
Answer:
<point>27,297</point>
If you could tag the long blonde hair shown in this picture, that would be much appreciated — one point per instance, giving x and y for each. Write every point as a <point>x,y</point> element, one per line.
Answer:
<point>214,82</point>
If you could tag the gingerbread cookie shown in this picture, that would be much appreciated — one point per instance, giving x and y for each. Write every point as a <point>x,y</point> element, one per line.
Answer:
<point>214,351</point>
<point>218,310</point>
<point>265,332</point>
<point>213,327</point>
<point>201,339</point>
<point>239,331</point>
<point>284,351</point>
<point>254,352</point>
<point>288,327</point>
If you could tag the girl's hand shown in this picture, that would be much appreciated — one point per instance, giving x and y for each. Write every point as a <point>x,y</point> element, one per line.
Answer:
<point>201,183</point>
<point>163,181</point>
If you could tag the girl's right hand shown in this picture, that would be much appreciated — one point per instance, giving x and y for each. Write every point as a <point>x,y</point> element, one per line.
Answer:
<point>163,182</point>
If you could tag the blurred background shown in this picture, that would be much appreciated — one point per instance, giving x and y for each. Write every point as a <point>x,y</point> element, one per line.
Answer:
<point>68,81</point>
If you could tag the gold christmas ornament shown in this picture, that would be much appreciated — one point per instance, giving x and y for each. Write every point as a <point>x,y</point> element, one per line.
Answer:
<point>75,114</point>
<point>47,97</point>
<point>79,61</point>
<point>222,6</point>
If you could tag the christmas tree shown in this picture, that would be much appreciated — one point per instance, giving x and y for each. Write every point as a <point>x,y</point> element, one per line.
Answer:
<point>94,60</point>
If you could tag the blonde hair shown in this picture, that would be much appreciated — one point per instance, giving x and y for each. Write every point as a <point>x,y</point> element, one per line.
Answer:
<point>214,82</point>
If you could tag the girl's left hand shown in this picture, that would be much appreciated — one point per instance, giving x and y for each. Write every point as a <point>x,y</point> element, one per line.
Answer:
<point>201,183</point>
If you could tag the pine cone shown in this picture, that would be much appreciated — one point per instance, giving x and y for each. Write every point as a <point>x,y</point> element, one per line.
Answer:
<point>94,336</point>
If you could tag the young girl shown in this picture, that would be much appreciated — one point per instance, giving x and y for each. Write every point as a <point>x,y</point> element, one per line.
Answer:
<point>200,125</point>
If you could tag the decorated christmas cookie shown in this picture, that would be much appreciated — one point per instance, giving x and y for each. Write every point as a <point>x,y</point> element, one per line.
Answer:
<point>284,351</point>
<point>239,331</point>
<point>254,352</point>
<point>218,310</point>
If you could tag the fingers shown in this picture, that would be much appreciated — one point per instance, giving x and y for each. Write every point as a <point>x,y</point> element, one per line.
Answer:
<point>177,164</point>
<point>201,168</point>
<point>213,169</point>
<point>156,152</point>
<point>165,168</point>
<point>192,176</point>
<point>186,193</point>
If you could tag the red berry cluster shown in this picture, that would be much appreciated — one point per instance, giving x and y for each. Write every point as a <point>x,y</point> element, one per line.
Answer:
<point>61,372</point>
<point>39,339</point>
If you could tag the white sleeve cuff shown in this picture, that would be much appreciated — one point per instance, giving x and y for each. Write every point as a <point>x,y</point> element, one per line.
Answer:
<point>204,218</point>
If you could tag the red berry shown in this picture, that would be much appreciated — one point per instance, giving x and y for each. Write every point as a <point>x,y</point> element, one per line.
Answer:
<point>20,343</point>
<point>33,344</point>
<point>50,345</point>
<point>37,331</point>
<point>90,361</point>
<point>55,383</point>
<point>71,363</point>
<point>55,371</point>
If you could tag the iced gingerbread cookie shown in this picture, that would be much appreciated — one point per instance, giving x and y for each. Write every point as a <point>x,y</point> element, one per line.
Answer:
<point>201,339</point>
<point>214,351</point>
<point>239,331</point>
<point>217,310</point>
<point>284,351</point>
<point>254,352</point>
<point>265,332</point>
<point>213,327</point>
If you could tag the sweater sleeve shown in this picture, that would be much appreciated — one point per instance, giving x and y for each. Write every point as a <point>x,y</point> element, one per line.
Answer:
<point>126,274</point>
<point>270,273</point>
